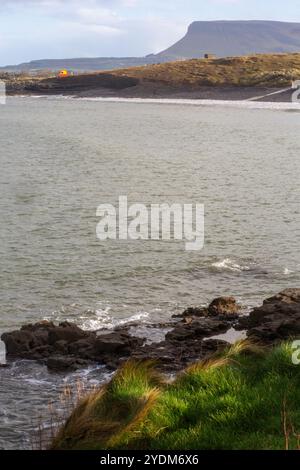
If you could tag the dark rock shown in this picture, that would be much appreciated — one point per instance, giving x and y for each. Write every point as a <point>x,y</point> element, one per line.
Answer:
<point>66,331</point>
<point>197,329</point>
<point>220,307</point>
<point>82,348</point>
<point>62,346</point>
<point>277,319</point>
<point>41,325</point>
<point>18,342</point>
<point>67,347</point>
<point>172,356</point>
<point>65,363</point>
<point>117,342</point>
<point>288,296</point>
<point>193,312</point>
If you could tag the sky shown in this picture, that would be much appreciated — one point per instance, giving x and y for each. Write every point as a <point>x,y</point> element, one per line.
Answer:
<point>39,29</point>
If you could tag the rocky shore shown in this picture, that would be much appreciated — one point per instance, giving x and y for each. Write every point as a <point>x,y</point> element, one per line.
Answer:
<point>110,86</point>
<point>264,77</point>
<point>191,336</point>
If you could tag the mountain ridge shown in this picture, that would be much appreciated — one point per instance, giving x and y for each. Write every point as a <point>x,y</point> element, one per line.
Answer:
<point>235,38</point>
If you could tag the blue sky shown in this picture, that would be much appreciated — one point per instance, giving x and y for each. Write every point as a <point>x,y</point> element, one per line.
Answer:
<point>35,29</point>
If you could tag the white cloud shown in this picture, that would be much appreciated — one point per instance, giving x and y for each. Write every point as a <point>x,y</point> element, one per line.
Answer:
<point>73,28</point>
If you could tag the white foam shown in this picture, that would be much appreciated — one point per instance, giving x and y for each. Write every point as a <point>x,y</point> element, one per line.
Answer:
<point>200,102</point>
<point>244,104</point>
<point>105,321</point>
<point>2,353</point>
<point>228,264</point>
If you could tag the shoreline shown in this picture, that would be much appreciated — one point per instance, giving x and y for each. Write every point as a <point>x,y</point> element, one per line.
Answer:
<point>287,105</point>
<point>197,333</point>
<point>264,77</point>
<point>195,339</point>
<point>222,94</point>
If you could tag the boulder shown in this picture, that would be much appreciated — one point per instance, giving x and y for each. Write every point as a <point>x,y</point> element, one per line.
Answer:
<point>288,296</point>
<point>117,342</point>
<point>219,307</point>
<point>193,312</point>
<point>19,342</point>
<point>223,306</point>
<point>277,319</point>
<point>66,331</point>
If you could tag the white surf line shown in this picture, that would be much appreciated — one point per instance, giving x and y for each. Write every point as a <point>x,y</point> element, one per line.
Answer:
<point>269,94</point>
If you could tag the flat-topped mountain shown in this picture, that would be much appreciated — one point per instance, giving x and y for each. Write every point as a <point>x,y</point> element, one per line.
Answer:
<point>235,38</point>
<point>222,38</point>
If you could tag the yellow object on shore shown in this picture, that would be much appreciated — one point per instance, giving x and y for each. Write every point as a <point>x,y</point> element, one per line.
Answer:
<point>63,74</point>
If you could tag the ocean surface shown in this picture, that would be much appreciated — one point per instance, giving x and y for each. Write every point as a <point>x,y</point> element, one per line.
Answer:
<point>61,158</point>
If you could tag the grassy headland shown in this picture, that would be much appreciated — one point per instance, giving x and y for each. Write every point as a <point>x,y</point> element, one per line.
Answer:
<point>246,398</point>
<point>226,78</point>
<point>258,70</point>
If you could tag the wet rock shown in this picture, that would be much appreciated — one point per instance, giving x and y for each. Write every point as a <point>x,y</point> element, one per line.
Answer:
<point>116,342</point>
<point>219,307</point>
<point>288,296</point>
<point>186,343</point>
<point>62,346</point>
<point>277,319</point>
<point>41,325</point>
<point>66,331</point>
<point>65,363</point>
<point>67,347</point>
<point>193,312</point>
<point>19,342</point>
<point>82,348</point>
<point>223,306</point>
<point>174,356</point>
<point>197,329</point>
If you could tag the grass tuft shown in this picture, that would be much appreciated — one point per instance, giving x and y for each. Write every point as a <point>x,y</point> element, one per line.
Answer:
<point>246,398</point>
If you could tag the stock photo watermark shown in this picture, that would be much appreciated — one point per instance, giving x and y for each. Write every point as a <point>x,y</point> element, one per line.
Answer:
<point>296,93</point>
<point>155,222</point>
<point>2,92</point>
<point>296,353</point>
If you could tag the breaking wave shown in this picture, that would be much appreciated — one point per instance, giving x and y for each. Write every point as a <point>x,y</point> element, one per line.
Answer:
<point>103,320</point>
<point>228,264</point>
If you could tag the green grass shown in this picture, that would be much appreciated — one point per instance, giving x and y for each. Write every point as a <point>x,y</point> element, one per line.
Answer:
<point>248,398</point>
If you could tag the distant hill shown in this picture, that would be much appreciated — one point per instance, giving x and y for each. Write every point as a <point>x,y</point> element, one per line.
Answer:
<point>235,38</point>
<point>83,64</point>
